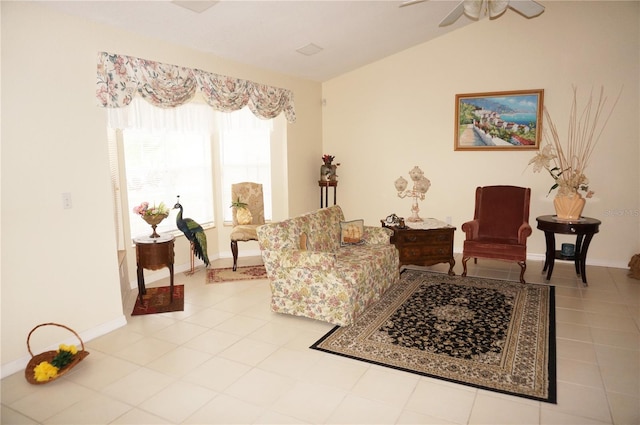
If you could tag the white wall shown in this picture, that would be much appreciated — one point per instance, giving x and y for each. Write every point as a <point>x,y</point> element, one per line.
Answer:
<point>61,265</point>
<point>383,119</point>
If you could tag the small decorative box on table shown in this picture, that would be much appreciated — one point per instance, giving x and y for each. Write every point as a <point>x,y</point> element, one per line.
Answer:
<point>154,254</point>
<point>424,243</point>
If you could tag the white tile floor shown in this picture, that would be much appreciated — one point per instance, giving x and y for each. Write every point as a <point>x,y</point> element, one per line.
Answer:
<point>228,359</point>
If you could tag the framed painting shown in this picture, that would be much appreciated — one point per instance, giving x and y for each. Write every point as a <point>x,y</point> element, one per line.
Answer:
<point>509,120</point>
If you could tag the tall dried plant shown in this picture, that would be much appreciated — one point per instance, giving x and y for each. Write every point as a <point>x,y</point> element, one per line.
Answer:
<point>567,163</point>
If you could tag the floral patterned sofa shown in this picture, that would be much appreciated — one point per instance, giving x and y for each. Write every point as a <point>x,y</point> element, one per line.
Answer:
<point>313,274</point>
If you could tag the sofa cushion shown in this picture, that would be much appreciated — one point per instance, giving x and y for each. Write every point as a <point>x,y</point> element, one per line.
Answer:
<point>321,261</point>
<point>244,232</point>
<point>323,229</point>
<point>335,288</point>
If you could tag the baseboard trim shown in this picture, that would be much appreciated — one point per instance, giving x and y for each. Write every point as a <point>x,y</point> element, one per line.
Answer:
<point>590,261</point>
<point>93,333</point>
<point>182,268</point>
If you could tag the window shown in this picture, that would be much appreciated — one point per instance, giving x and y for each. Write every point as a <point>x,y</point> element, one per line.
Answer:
<point>245,155</point>
<point>159,165</point>
<point>194,152</point>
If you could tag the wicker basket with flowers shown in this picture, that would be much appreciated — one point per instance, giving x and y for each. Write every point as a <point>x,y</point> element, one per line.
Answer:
<point>51,365</point>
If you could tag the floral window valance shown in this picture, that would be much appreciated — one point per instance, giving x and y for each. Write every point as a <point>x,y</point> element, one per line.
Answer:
<point>120,78</point>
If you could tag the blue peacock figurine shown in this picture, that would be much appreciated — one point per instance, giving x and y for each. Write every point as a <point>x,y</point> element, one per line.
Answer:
<point>195,234</point>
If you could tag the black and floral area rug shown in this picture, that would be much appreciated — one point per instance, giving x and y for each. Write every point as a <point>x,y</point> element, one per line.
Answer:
<point>491,334</point>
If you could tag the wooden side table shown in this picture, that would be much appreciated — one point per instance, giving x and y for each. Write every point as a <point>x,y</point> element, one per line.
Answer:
<point>324,191</point>
<point>154,254</point>
<point>424,246</point>
<point>584,229</point>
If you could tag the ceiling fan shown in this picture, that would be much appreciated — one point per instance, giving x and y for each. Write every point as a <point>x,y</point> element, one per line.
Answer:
<point>475,9</point>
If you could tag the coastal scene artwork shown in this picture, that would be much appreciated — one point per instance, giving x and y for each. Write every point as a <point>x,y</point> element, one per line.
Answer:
<point>509,120</point>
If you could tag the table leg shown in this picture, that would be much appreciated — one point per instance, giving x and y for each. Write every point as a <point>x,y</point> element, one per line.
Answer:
<point>452,263</point>
<point>321,197</point>
<point>550,256</point>
<point>171,282</point>
<point>577,259</point>
<point>583,257</point>
<point>141,288</point>
<point>335,188</point>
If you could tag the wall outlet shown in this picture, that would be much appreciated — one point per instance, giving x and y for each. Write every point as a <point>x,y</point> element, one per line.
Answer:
<point>66,201</point>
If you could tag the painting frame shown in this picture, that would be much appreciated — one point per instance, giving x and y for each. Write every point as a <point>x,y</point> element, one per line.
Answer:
<point>499,121</point>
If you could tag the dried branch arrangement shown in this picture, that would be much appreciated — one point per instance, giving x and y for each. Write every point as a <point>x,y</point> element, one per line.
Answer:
<point>567,163</point>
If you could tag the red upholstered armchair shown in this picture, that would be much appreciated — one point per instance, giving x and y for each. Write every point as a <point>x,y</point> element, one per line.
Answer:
<point>500,226</point>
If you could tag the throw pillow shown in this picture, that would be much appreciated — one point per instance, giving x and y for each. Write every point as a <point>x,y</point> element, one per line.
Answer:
<point>351,232</point>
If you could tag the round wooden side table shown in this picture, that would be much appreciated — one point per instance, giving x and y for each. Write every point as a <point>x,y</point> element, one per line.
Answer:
<point>584,229</point>
<point>154,254</point>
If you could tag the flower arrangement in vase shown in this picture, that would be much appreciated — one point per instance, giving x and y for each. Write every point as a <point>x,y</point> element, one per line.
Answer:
<point>566,164</point>
<point>152,216</point>
<point>328,171</point>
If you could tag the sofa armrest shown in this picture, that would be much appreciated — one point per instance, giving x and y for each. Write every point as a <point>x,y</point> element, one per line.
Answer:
<point>523,233</point>
<point>470,228</point>
<point>322,261</point>
<point>374,235</point>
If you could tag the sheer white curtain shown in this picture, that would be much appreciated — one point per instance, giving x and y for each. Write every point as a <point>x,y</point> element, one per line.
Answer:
<point>245,155</point>
<point>153,104</point>
<point>166,152</point>
<point>140,114</point>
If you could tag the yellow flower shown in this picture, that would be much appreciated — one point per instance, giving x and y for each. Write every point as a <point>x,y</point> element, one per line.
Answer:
<point>70,348</point>
<point>44,371</point>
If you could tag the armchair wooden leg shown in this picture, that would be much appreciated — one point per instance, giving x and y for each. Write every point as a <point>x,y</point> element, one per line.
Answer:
<point>234,252</point>
<point>464,265</point>
<point>523,267</point>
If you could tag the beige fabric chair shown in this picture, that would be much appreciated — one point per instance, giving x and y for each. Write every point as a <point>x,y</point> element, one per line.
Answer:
<point>251,194</point>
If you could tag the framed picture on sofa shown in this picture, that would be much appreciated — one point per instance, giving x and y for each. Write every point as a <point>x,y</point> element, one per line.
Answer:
<point>509,120</point>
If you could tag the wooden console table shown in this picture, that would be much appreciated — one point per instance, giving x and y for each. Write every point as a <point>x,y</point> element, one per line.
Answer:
<point>154,254</point>
<point>584,229</point>
<point>424,244</point>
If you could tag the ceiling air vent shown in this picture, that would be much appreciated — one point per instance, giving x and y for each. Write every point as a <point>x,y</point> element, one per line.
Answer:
<point>309,49</point>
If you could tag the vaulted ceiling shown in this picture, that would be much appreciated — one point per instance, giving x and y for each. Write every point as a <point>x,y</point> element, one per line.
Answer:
<point>268,33</point>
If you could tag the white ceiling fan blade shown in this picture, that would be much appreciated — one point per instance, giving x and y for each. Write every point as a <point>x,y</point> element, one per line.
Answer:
<point>497,7</point>
<point>410,2</point>
<point>453,15</point>
<point>474,8</point>
<point>527,8</point>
